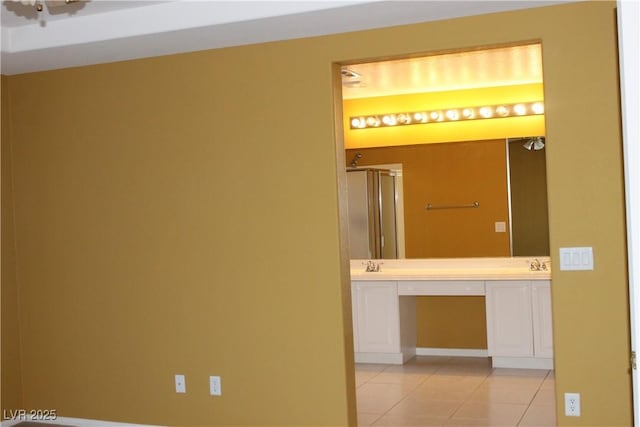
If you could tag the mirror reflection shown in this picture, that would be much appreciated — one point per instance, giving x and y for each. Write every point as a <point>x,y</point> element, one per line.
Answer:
<point>460,199</point>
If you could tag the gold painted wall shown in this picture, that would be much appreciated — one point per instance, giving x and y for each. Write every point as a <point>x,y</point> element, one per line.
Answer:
<point>11,387</point>
<point>158,231</point>
<point>451,322</point>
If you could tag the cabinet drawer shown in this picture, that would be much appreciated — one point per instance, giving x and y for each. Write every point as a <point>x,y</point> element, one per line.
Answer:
<point>441,287</point>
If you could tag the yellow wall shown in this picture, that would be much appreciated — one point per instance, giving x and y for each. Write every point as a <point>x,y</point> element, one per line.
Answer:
<point>451,322</point>
<point>171,215</point>
<point>11,387</point>
<point>471,130</point>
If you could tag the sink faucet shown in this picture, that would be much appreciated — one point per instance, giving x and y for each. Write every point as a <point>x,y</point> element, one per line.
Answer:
<point>372,267</point>
<point>536,265</point>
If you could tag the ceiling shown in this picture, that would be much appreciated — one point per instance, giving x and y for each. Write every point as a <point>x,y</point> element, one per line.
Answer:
<point>100,31</point>
<point>454,71</point>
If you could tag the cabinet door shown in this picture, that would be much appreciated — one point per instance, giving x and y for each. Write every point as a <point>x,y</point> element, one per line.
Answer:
<point>542,326</point>
<point>509,322</point>
<point>378,321</point>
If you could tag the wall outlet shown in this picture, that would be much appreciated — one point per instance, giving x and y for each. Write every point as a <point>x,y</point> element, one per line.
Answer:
<point>181,385</point>
<point>572,404</point>
<point>215,386</point>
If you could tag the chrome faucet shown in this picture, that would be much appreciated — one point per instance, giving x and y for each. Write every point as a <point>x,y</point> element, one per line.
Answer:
<point>536,265</point>
<point>372,267</point>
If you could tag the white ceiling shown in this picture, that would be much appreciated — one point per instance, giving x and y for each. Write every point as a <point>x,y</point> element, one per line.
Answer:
<point>454,71</point>
<point>100,31</point>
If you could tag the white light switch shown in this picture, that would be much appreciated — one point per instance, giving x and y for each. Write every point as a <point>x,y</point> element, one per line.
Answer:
<point>501,227</point>
<point>576,258</point>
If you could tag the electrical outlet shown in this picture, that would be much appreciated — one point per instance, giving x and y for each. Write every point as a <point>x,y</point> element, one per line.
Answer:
<point>572,404</point>
<point>181,385</point>
<point>215,386</point>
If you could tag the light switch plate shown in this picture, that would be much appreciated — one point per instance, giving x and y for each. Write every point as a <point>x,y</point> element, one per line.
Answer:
<point>500,227</point>
<point>580,258</point>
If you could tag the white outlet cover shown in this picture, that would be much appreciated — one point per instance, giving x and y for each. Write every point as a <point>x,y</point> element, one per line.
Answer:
<point>181,385</point>
<point>572,404</point>
<point>215,386</point>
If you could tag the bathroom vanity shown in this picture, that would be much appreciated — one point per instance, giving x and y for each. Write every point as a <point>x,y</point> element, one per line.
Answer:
<point>517,294</point>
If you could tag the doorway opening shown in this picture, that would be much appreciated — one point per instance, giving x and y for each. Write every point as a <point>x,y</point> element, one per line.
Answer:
<point>447,120</point>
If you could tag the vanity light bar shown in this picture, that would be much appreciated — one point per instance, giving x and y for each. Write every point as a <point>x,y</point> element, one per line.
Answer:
<point>447,115</point>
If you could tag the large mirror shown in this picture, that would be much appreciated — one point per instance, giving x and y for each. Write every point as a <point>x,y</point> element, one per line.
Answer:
<point>474,188</point>
<point>459,199</point>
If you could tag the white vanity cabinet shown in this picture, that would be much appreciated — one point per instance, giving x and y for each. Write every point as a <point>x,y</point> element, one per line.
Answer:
<point>541,313</point>
<point>519,323</point>
<point>377,312</point>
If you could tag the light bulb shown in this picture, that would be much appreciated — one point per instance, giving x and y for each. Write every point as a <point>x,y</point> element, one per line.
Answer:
<point>519,109</point>
<point>435,115</point>
<point>486,112</point>
<point>467,113</point>
<point>502,111</point>
<point>538,108</point>
<point>420,117</point>
<point>453,115</point>
<point>404,119</point>
<point>358,122</point>
<point>389,120</point>
<point>373,121</point>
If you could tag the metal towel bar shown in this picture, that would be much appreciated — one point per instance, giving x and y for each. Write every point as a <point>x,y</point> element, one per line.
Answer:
<point>470,205</point>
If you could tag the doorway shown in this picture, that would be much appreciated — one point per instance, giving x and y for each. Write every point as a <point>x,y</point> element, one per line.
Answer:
<point>374,131</point>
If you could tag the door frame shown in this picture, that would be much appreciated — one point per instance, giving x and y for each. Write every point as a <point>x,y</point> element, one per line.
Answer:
<point>628,47</point>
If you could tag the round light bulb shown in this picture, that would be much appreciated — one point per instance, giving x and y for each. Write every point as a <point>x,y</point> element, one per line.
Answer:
<point>520,109</point>
<point>502,111</point>
<point>538,108</point>
<point>486,112</point>
<point>358,123</point>
<point>453,115</point>
<point>420,117</point>
<point>389,120</point>
<point>404,119</point>
<point>467,113</point>
<point>435,115</point>
<point>373,121</point>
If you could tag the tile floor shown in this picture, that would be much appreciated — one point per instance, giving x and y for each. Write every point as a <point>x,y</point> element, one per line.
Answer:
<point>445,391</point>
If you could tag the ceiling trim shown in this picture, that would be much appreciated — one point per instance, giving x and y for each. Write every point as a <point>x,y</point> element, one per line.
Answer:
<point>164,28</point>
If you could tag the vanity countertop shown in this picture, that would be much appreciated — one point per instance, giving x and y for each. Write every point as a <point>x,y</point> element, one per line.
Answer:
<point>515,268</point>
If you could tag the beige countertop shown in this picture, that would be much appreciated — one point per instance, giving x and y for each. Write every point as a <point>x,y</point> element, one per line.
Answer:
<point>515,268</point>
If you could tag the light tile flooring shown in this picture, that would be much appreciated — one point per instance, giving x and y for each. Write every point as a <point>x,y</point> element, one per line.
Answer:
<point>444,391</point>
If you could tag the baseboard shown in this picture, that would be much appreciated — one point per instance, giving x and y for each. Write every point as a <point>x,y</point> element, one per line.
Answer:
<point>458,352</point>
<point>522,362</point>
<point>75,422</point>
<point>385,358</point>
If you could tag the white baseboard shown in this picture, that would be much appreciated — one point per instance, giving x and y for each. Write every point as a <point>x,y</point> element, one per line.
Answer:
<point>522,362</point>
<point>458,352</point>
<point>75,422</point>
<point>386,358</point>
